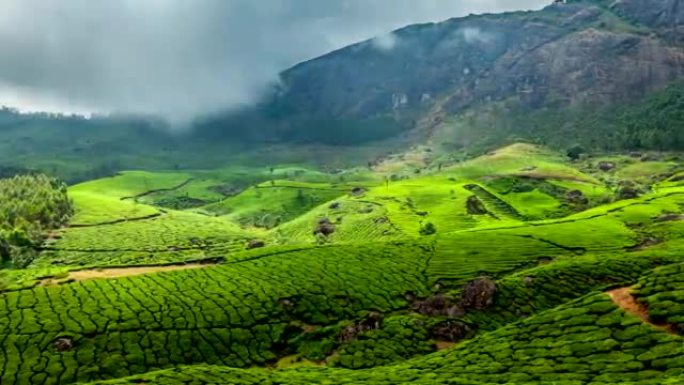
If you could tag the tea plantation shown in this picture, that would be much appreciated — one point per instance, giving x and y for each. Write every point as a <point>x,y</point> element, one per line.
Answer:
<point>503,269</point>
<point>588,340</point>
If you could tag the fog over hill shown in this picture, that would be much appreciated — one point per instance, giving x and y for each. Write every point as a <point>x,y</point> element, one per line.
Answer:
<point>181,59</point>
<point>368,192</point>
<point>602,74</point>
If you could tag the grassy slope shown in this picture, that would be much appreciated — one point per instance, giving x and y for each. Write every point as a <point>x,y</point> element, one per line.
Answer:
<point>271,299</point>
<point>272,203</point>
<point>140,233</point>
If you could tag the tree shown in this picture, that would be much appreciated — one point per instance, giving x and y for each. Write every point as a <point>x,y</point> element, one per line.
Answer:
<point>301,198</point>
<point>575,152</point>
<point>30,205</point>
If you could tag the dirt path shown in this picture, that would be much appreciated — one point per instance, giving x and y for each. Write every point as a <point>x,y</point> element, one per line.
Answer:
<point>119,272</point>
<point>624,299</point>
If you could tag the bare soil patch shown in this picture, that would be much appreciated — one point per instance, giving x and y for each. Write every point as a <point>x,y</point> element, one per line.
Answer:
<point>624,299</point>
<point>442,345</point>
<point>119,272</point>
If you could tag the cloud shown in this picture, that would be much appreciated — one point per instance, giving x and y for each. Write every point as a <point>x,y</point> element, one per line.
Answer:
<point>385,42</point>
<point>181,59</point>
<point>476,36</point>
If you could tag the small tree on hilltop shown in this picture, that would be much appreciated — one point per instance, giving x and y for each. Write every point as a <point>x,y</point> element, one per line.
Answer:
<point>575,152</point>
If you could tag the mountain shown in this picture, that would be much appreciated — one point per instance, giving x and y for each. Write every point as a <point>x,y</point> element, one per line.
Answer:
<point>579,53</point>
<point>606,75</point>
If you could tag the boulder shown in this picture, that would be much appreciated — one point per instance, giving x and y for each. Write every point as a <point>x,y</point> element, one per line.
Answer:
<point>646,243</point>
<point>627,192</point>
<point>324,227</point>
<point>450,331</point>
<point>63,344</point>
<point>478,294</point>
<point>433,306</point>
<point>576,197</point>
<point>606,166</point>
<point>288,304</point>
<point>455,311</point>
<point>670,218</point>
<point>544,260</point>
<point>381,220</point>
<point>358,191</point>
<point>255,244</point>
<point>371,322</point>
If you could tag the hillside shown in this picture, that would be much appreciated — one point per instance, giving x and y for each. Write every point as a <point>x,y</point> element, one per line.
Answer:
<point>603,74</point>
<point>582,54</point>
<point>494,199</point>
<point>519,266</point>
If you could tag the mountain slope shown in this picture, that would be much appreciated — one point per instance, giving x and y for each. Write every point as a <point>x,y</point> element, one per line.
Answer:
<point>566,55</point>
<point>601,73</point>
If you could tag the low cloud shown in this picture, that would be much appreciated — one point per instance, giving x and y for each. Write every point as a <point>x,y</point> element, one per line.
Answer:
<point>180,59</point>
<point>385,42</point>
<point>476,36</point>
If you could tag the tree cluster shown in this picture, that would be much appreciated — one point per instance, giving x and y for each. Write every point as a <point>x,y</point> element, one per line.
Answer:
<point>30,206</point>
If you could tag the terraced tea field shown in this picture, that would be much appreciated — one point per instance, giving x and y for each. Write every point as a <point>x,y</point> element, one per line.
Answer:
<point>518,267</point>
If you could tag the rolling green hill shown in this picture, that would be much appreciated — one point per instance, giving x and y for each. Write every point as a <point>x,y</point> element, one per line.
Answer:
<point>517,267</point>
<point>495,199</point>
<point>602,74</point>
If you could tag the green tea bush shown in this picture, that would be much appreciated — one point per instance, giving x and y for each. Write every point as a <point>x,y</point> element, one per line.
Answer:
<point>175,236</point>
<point>396,338</point>
<point>587,341</point>
<point>663,292</point>
<point>428,229</point>
<point>531,291</point>
<point>236,314</point>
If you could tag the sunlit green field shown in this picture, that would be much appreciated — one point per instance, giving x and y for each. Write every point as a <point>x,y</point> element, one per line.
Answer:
<point>301,276</point>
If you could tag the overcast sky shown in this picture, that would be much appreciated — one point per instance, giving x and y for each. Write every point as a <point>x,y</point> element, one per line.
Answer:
<point>183,58</point>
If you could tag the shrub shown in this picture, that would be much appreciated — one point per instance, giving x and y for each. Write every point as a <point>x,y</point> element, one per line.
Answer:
<point>428,229</point>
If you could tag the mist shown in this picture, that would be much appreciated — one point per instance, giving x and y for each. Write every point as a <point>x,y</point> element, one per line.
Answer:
<point>182,59</point>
